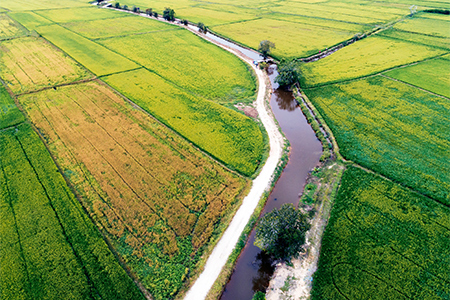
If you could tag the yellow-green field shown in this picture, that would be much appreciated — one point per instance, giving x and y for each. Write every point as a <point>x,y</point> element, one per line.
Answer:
<point>427,40</point>
<point>23,5</point>
<point>291,39</point>
<point>392,128</point>
<point>122,26</point>
<point>432,75</point>
<point>9,28</point>
<point>29,19</point>
<point>29,63</point>
<point>10,114</point>
<point>211,17</point>
<point>192,63</point>
<point>231,137</point>
<point>81,14</point>
<point>366,57</point>
<point>156,198</point>
<point>93,56</point>
<point>427,26</point>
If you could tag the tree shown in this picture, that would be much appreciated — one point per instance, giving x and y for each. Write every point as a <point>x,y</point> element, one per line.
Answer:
<point>265,48</point>
<point>125,7</point>
<point>281,233</point>
<point>185,22</point>
<point>288,74</point>
<point>155,14</point>
<point>117,5</point>
<point>259,296</point>
<point>169,14</point>
<point>149,12</point>
<point>202,28</point>
<point>136,9</point>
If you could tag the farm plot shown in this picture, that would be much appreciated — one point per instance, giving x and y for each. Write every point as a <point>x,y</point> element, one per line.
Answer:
<point>28,63</point>
<point>227,135</point>
<point>117,26</point>
<point>426,26</point>
<point>81,14</point>
<point>10,115</point>
<point>432,75</point>
<point>383,242</point>
<point>191,63</point>
<point>29,19</point>
<point>366,57</point>
<point>157,199</point>
<point>392,128</point>
<point>49,246</point>
<point>291,39</point>
<point>21,5</point>
<point>93,56</point>
<point>211,17</point>
<point>417,38</point>
<point>9,28</point>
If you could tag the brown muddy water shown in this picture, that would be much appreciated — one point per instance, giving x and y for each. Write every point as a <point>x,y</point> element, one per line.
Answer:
<point>253,269</point>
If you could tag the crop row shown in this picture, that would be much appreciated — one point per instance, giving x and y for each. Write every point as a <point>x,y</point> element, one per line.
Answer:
<point>156,198</point>
<point>48,242</point>
<point>10,115</point>
<point>383,241</point>
<point>29,63</point>
<point>392,128</point>
<point>230,137</point>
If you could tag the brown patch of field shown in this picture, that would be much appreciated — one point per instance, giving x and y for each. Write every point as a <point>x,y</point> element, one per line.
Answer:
<point>29,63</point>
<point>137,179</point>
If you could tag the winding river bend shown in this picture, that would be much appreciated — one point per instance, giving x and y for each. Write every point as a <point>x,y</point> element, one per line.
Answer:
<point>253,270</point>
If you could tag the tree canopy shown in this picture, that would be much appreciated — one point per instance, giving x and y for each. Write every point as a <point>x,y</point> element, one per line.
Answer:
<point>169,14</point>
<point>265,48</point>
<point>281,233</point>
<point>288,74</point>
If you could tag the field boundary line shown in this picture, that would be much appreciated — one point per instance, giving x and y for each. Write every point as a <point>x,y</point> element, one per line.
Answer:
<point>56,86</point>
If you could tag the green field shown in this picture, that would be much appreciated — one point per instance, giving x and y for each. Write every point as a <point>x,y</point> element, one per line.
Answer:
<point>48,243</point>
<point>294,40</point>
<point>93,56</point>
<point>80,14</point>
<point>392,128</point>
<point>30,19</point>
<point>366,57</point>
<point>28,64</point>
<point>383,242</point>
<point>10,115</point>
<point>417,38</point>
<point>122,26</point>
<point>432,75</point>
<point>233,138</point>
<point>192,63</point>
<point>426,26</point>
<point>22,5</point>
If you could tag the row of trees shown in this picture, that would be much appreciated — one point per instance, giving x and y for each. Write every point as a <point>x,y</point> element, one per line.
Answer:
<point>168,13</point>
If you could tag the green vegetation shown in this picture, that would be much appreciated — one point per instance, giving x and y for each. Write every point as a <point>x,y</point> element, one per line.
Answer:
<point>432,75</point>
<point>10,115</point>
<point>28,64</point>
<point>281,232</point>
<point>93,56</point>
<point>373,55</point>
<point>122,26</point>
<point>9,28</point>
<point>49,246</point>
<point>426,40</point>
<point>392,128</point>
<point>227,135</point>
<point>192,63</point>
<point>80,14</point>
<point>426,26</point>
<point>377,231</point>
<point>30,20</point>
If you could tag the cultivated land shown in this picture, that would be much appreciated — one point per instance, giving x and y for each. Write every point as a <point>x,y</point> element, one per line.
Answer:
<point>156,199</point>
<point>48,243</point>
<point>383,242</point>
<point>388,112</point>
<point>30,63</point>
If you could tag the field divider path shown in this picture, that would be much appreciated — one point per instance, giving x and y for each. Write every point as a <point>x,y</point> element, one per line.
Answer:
<point>261,183</point>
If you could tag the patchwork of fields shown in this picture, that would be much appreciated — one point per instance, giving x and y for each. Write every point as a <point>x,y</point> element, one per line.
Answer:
<point>159,202</point>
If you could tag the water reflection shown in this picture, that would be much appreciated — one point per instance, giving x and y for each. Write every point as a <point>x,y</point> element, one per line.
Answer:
<point>285,100</point>
<point>265,271</point>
